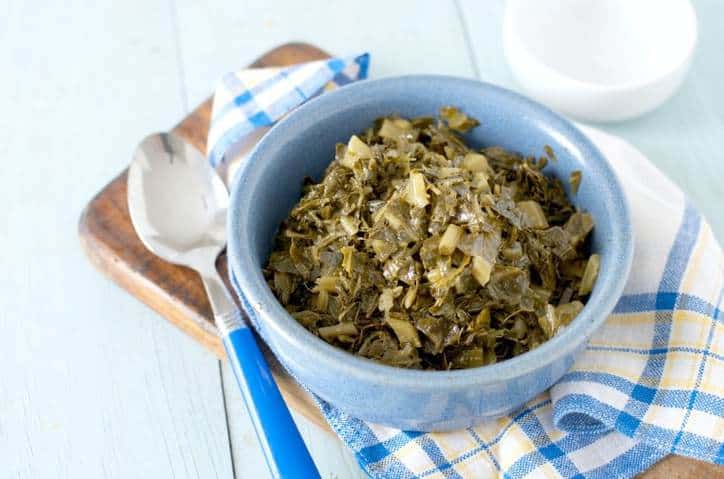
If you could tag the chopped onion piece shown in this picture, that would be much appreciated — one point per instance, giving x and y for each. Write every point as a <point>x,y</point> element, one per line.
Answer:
<point>481,270</point>
<point>450,239</point>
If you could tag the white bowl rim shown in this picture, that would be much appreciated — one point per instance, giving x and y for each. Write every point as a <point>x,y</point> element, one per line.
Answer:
<point>557,75</point>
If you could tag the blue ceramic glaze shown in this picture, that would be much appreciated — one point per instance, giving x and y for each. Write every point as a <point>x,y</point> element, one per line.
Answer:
<point>302,144</point>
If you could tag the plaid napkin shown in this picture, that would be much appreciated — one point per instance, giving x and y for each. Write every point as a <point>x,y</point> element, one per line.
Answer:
<point>257,97</point>
<point>651,381</point>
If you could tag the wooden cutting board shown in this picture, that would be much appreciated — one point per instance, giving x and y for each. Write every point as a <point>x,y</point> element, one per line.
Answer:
<point>176,292</point>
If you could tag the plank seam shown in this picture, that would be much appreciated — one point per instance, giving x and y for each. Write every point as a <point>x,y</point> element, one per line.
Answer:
<point>226,419</point>
<point>467,39</point>
<point>173,8</point>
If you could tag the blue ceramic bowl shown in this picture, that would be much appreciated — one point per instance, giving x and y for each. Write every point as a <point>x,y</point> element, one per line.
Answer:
<point>302,144</point>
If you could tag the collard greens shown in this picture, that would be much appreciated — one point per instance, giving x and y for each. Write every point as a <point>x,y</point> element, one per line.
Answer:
<point>419,252</point>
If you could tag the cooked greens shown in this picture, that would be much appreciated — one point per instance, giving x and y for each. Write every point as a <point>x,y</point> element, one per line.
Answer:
<point>419,252</point>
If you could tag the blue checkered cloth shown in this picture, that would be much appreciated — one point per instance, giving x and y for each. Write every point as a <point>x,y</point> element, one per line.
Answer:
<point>257,97</point>
<point>650,382</point>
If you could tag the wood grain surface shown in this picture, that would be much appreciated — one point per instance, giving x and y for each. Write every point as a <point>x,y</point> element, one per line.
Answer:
<point>176,293</point>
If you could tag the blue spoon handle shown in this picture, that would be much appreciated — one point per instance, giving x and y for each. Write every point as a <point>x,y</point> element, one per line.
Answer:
<point>285,452</point>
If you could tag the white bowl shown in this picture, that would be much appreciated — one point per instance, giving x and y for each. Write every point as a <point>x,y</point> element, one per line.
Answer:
<point>600,60</point>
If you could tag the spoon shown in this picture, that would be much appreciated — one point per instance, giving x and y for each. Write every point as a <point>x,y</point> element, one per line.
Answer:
<point>178,207</point>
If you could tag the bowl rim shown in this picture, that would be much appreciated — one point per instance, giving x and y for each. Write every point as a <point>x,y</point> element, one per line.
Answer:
<point>512,41</point>
<point>259,302</point>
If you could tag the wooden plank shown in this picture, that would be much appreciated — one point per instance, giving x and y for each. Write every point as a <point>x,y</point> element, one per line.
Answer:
<point>92,384</point>
<point>419,29</point>
<point>404,36</point>
<point>665,136</point>
<point>330,454</point>
<point>175,292</point>
<point>411,37</point>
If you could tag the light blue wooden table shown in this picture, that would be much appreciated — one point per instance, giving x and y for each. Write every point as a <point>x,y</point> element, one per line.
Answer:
<point>92,384</point>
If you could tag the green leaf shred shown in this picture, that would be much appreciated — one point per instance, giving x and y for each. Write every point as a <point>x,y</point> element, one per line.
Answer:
<point>419,251</point>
